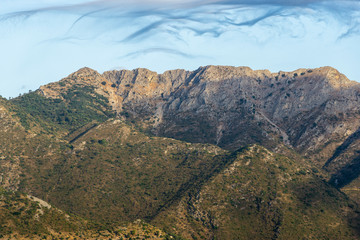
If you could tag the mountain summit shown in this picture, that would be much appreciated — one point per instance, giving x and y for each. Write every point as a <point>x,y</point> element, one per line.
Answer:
<point>214,104</point>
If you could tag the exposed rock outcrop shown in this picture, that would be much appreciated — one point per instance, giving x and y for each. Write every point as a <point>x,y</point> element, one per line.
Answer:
<point>311,110</point>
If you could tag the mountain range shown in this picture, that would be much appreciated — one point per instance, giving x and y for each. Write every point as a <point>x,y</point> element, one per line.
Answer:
<point>217,153</point>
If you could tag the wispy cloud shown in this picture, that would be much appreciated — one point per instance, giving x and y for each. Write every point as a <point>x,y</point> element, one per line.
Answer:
<point>158,50</point>
<point>151,17</point>
<point>223,31</point>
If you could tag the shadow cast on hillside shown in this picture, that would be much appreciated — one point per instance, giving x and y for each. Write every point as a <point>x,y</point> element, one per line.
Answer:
<point>347,174</point>
<point>343,146</point>
<point>326,198</point>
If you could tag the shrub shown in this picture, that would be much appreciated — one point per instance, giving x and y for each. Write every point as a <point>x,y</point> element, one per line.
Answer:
<point>102,141</point>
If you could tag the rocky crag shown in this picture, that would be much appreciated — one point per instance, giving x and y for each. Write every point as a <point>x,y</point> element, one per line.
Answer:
<point>313,111</point>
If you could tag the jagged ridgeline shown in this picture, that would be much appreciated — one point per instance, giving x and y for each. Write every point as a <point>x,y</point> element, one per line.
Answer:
<point>216,153</point>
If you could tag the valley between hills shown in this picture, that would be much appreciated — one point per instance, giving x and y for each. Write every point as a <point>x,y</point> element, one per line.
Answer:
<point>217,153</point>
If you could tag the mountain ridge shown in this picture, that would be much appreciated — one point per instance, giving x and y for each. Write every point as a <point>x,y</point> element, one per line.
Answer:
<point>304,97</point>
<point>268,97</point>
<point>123,145</point>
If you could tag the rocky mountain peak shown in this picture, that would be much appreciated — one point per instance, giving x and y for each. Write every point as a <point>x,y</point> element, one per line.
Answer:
<point>84,72</point>
<point>86,76</point>
<point>338,80</point>
<point>225,99</point>
<point>83,77</point>
<point>327,77</point>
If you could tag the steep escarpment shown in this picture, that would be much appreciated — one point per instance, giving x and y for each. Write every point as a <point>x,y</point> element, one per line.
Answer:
<point>311,110</point>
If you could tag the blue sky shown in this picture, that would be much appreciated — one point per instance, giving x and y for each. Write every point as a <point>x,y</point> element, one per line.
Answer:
<point>43,41</point>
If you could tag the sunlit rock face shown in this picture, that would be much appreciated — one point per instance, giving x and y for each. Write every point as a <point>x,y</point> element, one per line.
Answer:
<point>311,110</point>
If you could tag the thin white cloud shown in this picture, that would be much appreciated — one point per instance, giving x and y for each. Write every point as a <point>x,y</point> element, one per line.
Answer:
<point>199,17</point>
<point>221,31</point>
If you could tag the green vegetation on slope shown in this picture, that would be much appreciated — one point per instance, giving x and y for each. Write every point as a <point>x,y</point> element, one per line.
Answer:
<point>126,174</point>
<point>263,195</point>
<point>79,106</point>
<point>24,216</point>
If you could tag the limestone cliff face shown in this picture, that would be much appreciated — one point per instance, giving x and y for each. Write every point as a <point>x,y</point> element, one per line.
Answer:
<point>311,110</point>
